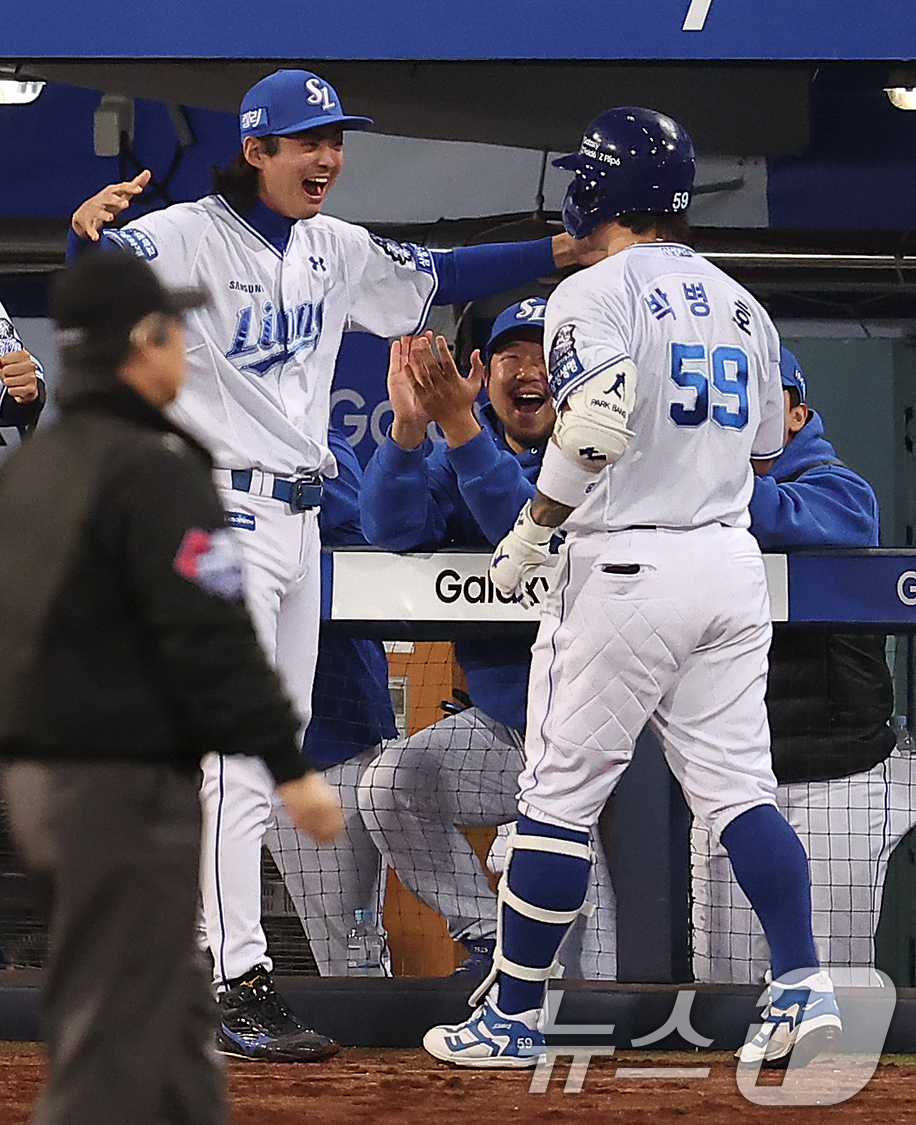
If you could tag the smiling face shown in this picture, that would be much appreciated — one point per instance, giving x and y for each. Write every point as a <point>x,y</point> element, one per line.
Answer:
<point>295,180</point>
<point>517,386</point>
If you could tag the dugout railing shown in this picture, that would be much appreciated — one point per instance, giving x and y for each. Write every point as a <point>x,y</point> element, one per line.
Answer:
<point>412,600</point>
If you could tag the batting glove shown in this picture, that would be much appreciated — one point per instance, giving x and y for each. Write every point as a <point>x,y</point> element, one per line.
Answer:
<point>519,554</point>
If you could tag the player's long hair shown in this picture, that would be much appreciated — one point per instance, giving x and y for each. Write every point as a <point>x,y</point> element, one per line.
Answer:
<point>668,226</point>
<point>239,183</point>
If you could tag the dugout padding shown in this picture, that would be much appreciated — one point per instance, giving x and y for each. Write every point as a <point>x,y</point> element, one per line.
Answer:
<point>397,1012</point>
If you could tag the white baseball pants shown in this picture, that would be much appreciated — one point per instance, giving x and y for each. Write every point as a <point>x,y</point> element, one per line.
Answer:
<point>659,626</point>
<point>281,555</point>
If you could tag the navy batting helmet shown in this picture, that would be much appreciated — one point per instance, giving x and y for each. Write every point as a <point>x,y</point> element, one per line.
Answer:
<point>631,159</point>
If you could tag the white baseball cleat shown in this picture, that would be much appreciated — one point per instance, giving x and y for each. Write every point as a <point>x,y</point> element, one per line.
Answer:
<point>487,1039</point>
<point>800,1020</point>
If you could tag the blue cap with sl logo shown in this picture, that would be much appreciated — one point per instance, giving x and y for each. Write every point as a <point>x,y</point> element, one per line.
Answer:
<point>289,101</point>
<point>792,374</point>
<point>524,314</point>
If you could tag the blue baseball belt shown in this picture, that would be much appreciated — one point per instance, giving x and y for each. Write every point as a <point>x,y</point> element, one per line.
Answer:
<point>301,493</point>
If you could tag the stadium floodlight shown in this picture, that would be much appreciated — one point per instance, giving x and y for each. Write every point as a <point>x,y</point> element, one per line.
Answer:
<point>901,88</point>
<point>14,92</point>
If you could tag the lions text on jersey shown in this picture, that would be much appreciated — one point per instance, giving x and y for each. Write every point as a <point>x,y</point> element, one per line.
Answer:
<point>261,354</point>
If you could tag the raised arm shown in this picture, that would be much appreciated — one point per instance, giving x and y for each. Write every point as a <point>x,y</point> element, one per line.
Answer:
<point>403,505</point>
<point>469,273</point>
<point>104,207</point>
<point>490,480</point>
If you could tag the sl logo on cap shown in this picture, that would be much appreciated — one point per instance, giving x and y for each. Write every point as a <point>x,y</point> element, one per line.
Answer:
<point>319,94</point>
<point>531,309</point>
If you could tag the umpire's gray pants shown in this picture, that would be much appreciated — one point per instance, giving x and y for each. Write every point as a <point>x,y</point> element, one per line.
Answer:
<point>129,1020</point>
<point>462,772</point>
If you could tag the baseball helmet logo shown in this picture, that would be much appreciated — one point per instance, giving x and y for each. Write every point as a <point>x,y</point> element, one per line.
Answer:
<point>630,160</point>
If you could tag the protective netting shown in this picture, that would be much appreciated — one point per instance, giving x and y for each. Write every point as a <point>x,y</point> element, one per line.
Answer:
<point>410,884</point>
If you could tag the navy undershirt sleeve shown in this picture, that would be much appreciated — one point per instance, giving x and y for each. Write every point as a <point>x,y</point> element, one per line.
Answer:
<point>468,273</point>
<point>77,245</point>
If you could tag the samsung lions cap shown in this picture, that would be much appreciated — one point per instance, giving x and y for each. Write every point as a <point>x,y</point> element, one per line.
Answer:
<point>517,320</point>
<point>289,101</point>
<point>792,374</point>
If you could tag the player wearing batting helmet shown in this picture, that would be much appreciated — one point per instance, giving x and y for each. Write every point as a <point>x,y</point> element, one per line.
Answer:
<point>665,377</point>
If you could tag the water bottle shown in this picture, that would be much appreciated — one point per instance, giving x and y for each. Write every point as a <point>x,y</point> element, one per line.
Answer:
<point>905,743</point>
<point>364,947</point>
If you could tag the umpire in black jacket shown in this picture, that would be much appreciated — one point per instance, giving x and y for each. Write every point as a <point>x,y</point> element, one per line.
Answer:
<point>126,654</point>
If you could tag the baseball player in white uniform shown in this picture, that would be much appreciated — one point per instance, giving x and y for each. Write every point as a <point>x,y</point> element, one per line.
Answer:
<point>286,283</point>
<point>665,375</point>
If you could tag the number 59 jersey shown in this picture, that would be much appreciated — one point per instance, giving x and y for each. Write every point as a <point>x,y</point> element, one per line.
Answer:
<point>708,395</point>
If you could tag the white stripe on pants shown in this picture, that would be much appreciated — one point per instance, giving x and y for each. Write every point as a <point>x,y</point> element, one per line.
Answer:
<point>282,592</point>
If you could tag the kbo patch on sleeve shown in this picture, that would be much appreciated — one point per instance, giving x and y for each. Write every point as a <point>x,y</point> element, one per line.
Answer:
<point>212,561</point>
<point>136,241</point>
<point>563,363</point>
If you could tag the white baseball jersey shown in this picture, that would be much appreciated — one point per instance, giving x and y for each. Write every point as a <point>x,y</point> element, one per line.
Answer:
<point>262,352</point>
<point>708,396</point>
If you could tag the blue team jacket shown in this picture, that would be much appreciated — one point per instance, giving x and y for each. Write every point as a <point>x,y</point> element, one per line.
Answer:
<point>351,704</point>
<point>432,497</point>
<point>829,506</point>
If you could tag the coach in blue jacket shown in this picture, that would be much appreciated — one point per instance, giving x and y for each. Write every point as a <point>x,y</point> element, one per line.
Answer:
<point>465,491</point>
<point>830,700</point>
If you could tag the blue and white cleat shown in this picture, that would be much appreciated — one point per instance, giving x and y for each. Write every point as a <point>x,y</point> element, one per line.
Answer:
<point>800,1021</point>
<point>487,1039</point>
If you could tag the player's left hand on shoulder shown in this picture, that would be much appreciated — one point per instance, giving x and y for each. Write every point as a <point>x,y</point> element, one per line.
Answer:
<point>518,556</point>
<point>569,251</point>
<point>20,376</point>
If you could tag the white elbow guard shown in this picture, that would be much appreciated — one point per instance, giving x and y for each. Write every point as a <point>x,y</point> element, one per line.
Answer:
<point>591,429</point>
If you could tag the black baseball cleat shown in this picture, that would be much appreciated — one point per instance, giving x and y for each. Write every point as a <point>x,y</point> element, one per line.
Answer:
<point>256,1023</point>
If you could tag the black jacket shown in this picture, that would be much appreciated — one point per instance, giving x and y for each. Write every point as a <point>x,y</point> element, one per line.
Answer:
<point>830,698</point>
<point>123,634</point>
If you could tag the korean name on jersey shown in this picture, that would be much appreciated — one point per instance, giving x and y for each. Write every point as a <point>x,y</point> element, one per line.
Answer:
<point>262,352</point>
<point>708,396</point>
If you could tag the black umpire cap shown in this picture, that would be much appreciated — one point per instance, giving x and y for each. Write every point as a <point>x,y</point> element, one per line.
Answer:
<point>103,294</point>
<point>96,302</point>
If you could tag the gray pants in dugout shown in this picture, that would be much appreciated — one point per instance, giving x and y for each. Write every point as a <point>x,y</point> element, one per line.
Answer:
<point>462,772</point>
<point>129,1019</point>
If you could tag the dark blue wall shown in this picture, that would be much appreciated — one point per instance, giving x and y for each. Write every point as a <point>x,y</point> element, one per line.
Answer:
<point>51,167</point>
<point>860,169</point>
